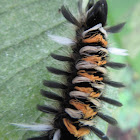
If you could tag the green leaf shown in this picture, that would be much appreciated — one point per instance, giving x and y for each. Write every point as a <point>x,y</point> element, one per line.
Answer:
<point>24,54</point>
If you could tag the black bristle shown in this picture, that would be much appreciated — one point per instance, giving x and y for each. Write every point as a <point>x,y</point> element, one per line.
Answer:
<point>114,84</point>
<point>39,138</point>
<point>51,95</point>
<point>80,6</point>
<point>107,118</point>
<point>47,109</point>
<point>111,101</point>
<point>116,28</point>
<point>53,84</point>
<point>57,71</point>
<point>61,58</point>
<point>99,133</point>
<point>68,15</point>
<point>115,65</point>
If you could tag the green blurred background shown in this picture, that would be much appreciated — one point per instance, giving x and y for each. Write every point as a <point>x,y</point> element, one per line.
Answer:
<point>129,114</point>
<point>25,52</point>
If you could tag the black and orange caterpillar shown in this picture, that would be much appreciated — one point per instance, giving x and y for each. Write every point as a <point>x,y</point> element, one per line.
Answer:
<point>86,78</point>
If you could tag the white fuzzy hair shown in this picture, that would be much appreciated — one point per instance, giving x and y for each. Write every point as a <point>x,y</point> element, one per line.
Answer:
<point>57,135</point>
<point>118,51</point>
<point>35,127</point>
<point>62,40</point>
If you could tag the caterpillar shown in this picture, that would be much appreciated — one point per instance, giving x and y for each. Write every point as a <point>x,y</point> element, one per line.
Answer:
<point>86,77</point>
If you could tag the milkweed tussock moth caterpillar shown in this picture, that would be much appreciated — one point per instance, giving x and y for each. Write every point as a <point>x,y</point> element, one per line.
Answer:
<point>82,94</point>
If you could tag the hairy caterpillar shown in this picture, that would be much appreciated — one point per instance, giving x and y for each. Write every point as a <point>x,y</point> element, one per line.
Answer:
<point>86,78</point>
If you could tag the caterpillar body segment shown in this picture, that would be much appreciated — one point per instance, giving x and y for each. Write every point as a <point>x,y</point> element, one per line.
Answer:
<point>86,79</point>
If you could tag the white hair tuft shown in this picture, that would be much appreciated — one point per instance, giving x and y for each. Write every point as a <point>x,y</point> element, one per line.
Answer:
<point>35,127</point>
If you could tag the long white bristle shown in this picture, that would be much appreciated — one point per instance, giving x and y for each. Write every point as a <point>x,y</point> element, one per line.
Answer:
<point>62,40</point>
<point>35,127</point>
<point>57,135</point>
<point>118,51</point>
